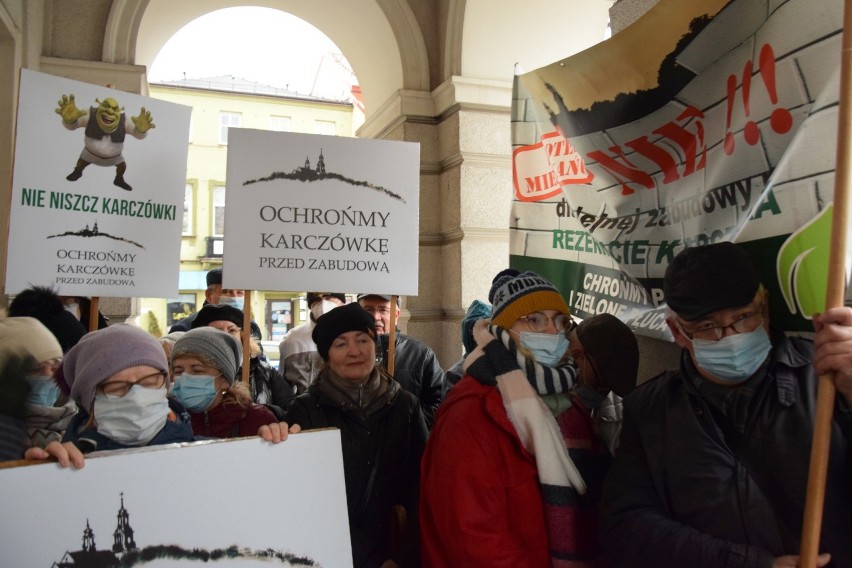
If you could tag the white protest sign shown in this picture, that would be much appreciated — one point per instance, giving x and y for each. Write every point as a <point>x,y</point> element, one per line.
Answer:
<point>241,503</point>
<point>97,192</point>
<point>309,212</point>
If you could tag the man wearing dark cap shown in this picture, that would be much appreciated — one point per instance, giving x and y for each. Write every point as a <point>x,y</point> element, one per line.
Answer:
<point>416,367</point>
<point>607,357</point>
<point>215,294</point>
<point>298,359</point>
<point>712,467</point>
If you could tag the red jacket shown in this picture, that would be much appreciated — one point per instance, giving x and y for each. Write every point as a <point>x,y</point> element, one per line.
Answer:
<point>480,501</point>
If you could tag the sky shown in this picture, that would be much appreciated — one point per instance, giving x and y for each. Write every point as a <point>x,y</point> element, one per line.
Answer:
<point>258,44</point>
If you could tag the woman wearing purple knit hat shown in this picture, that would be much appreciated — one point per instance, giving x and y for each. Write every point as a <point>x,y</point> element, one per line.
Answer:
<point>118,378</point>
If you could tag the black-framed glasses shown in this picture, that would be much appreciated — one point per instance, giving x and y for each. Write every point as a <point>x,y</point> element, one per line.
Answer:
<point>121,388</point>
<point>745,323</point>
<point>538,321</point>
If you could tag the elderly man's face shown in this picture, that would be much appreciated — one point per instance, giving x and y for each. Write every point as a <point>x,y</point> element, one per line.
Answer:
<point>380,309</point>
<point>720,324</point>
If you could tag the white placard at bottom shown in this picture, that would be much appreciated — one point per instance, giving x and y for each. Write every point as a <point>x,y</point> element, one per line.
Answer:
<point>233,503</point>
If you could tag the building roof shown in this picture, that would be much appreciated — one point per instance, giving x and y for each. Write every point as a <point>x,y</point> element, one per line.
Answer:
<point>232,84</point>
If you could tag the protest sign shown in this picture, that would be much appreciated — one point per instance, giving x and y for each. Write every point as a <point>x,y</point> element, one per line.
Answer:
<point>230,503</point>
<point>310,212</point>
<point>703,121</point>
<point>97,190</point>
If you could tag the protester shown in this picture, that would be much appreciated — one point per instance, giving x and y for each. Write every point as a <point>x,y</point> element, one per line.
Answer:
<point>117,376</point>
<point>499,487</point>
<point>476,311</point>
<point>712,469</point>
<point>299,361</point>
<point>265,384</point>
<point>382,431</point>
<point>45,305</point>
<point>216,295</point>
<point>46,413</point>
<point>415,368</point>
<point>204,366</point>
<point>607,355</point>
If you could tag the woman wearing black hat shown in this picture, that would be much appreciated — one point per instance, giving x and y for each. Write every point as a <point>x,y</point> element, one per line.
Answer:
<point>382,430</point>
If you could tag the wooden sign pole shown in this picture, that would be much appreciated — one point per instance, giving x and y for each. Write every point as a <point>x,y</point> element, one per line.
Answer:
<point>246,337</point>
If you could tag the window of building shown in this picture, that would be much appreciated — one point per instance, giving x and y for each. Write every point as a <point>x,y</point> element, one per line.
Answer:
<point>325,127</point>
<point>188,209</point>
<point>280,123</point>
<point>219,211</point>
<point>227,120</point>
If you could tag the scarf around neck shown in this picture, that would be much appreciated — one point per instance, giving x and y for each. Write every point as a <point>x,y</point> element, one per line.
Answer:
<point>376,392</point>
<point>520,382</point>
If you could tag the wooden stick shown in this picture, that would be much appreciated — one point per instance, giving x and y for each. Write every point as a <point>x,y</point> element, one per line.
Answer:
<point>392,335</point>
<point>94,311</point>
<point>246,337</point>
<point>826,390</point>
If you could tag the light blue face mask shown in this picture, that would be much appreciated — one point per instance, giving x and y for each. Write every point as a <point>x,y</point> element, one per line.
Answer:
<point>234,302</point>
<point>734,358</point>
<point>43,391</point>
<point>195,392</point>
<point>546,348</point>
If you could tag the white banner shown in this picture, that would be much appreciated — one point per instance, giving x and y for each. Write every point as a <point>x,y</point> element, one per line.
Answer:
<point>310,212</point>
<point>234,503</point>
<point>97,191</point>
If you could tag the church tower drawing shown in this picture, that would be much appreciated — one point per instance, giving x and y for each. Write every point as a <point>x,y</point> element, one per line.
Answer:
<point>123,534</point>
<point>321,164</point>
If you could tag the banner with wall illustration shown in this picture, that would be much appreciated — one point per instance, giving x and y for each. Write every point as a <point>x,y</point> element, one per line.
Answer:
<point>97,190</point>
<point>311,212</point>
<point>223,503</point>
<point>706,120</point>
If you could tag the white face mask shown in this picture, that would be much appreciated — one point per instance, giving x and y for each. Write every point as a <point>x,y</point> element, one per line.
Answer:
<point>133,419</point>
<point>72,308</point>
<point>321,308</point>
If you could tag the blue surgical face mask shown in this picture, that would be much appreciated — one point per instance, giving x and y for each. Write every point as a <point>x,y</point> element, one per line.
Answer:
<point>195,392</point>
<point>733,358</point>
<point>234,302</point>
<point>133,419</point>
<point>546,348</point>
<point>43,391</point>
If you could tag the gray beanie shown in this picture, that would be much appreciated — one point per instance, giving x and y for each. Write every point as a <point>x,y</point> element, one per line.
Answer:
<point>221,348</point>
<point>103,353</point>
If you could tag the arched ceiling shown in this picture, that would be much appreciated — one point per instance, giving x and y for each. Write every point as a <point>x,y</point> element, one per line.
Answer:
<point>495,35</point>
<point>378,37</point>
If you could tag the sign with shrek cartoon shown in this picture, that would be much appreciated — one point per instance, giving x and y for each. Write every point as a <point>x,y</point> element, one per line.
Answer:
<point>704,121</point>
<point>97,191</point>
<point>311,212</point>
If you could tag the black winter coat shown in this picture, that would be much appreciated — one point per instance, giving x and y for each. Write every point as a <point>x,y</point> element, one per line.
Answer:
<point>381,465</point>
<point>417,370</point>
<point>679,495</point>
<point>269,387</point>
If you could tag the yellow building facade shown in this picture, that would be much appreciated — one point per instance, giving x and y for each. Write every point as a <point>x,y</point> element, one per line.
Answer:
<point>218,104</point>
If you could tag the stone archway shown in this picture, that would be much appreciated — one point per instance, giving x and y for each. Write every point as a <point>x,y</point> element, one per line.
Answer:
<point>380,38</point>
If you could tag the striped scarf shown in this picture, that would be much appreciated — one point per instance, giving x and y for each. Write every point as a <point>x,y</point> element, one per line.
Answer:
<point>561,482</point>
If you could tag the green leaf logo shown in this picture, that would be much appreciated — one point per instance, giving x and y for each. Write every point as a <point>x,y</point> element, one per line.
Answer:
<point>803,266</point>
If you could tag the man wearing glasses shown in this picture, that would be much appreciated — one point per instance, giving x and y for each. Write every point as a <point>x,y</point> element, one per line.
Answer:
<point>713,463</point>
<point>416,367</point>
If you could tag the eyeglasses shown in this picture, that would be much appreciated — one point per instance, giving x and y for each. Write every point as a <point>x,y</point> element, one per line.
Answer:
<point>121,388</point>
<point>373,310</point>
<point>745,323</point>
<point>538,321</point>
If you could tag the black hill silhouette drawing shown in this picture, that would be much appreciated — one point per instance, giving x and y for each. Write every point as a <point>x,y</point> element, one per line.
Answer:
<point>306,173</point>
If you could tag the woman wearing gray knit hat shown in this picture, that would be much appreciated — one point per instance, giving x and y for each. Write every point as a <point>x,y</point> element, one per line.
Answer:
<point>382,430</point>
<point>204,365</point>
<point>117,376</point>
<point>517,497</point>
